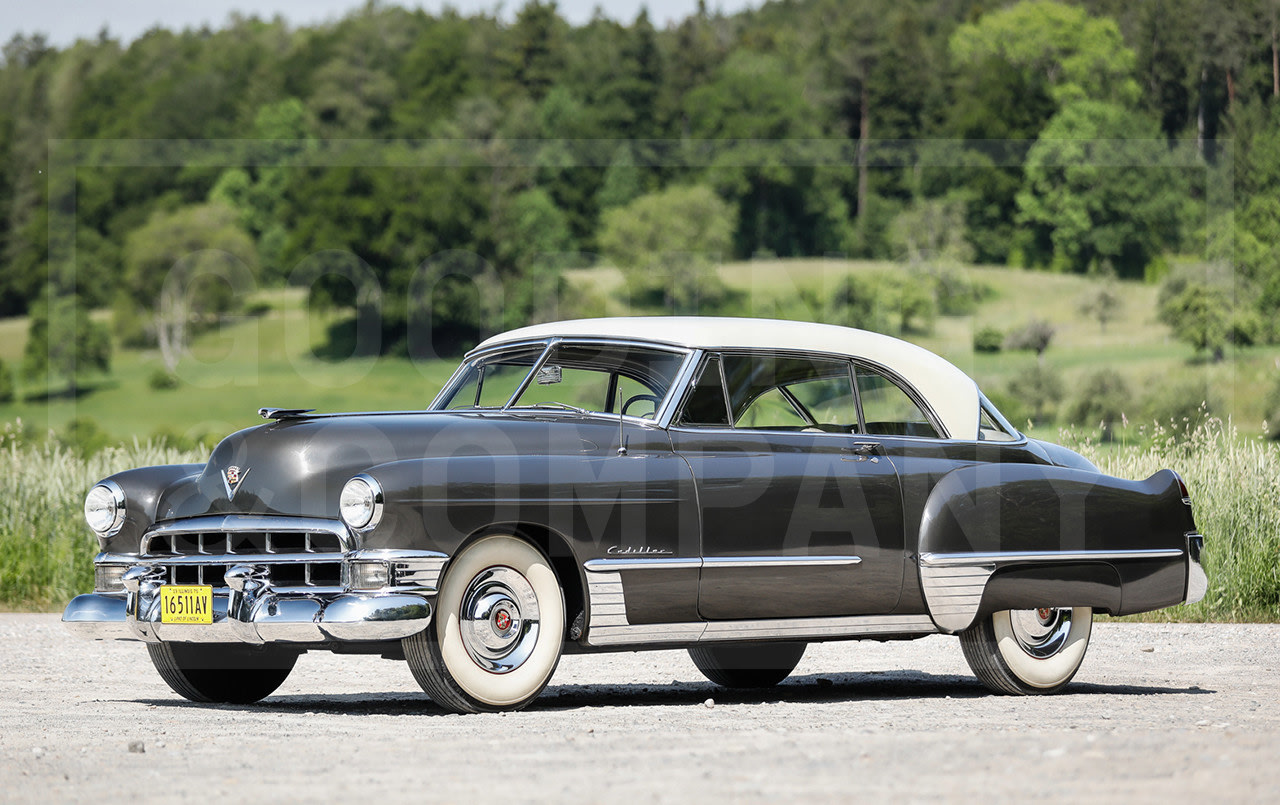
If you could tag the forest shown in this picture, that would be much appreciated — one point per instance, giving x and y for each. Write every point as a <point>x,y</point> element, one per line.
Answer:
<point>410,168</point>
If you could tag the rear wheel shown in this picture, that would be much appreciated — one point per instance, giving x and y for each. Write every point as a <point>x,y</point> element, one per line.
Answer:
<point>748,665</point>
<point>1028,651</point>
<point>497,633</point>
<point>221,673</point>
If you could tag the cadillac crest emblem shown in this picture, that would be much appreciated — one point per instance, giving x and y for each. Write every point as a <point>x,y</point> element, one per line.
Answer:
<point>231,479</point>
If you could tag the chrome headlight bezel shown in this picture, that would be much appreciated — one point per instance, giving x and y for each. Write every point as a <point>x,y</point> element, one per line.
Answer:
<point>360,502</point>
<point>104,509</point>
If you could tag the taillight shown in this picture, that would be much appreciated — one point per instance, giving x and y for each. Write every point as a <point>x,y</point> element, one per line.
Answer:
<point>1186,496</point>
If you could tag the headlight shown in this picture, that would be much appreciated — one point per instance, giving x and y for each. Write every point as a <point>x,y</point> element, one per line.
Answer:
<point>360,504</point>
<point>104,508</point>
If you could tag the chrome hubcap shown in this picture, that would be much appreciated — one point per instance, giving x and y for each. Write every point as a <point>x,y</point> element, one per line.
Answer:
<point>1041,633</point>
<point>499,619</point>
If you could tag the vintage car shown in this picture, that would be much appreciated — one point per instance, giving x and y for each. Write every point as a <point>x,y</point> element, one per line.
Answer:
<point>736,487</point>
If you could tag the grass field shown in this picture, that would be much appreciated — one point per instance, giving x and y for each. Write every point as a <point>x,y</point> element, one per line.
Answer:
<point>267,360</point>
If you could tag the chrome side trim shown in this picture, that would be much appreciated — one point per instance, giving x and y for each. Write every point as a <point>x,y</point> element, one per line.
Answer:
<point>813,628</point>
<point>953,592</point>
<point>1197,581</point>
<point>664,563</point>
<point>683,563</point>
<point>609,625</point>
<point>954,583</point>
<point>1011,557</point>
<point>779,561</point>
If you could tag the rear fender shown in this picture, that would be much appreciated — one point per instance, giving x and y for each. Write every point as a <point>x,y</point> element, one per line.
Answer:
<point>1008,536</point>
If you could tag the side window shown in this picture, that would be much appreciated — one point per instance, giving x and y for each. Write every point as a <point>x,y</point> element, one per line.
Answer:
<point>706,404</point>
<point>771,410</point>
<point>791,393</point>
<point>888,410</point>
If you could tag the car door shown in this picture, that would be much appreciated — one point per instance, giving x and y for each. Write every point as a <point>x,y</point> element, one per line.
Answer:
<point>801,515</point>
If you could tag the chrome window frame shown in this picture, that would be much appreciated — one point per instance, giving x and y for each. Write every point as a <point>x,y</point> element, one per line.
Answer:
<point>853,362</point>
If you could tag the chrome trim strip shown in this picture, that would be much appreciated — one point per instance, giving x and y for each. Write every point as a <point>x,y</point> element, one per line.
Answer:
<point>660,563</point>
<point>716,562</point>
<point>953,559</point>
<point>954,583</point>
<point>813,628</point>
<point>241,559</point>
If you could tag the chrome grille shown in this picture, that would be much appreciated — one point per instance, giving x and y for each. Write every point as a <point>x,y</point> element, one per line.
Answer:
<point>296,552</point>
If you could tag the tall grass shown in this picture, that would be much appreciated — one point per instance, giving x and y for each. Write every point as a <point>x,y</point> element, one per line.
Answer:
<point>1235,494</point>
<point>46,551</point>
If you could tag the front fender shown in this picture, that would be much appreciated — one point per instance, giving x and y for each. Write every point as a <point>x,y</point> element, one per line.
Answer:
<point>144,490</point>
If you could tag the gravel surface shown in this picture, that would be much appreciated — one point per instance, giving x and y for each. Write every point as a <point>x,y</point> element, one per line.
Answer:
<point>1158,712</point>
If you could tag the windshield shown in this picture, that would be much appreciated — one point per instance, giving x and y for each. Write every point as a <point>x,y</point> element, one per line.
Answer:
<point>583,377</point>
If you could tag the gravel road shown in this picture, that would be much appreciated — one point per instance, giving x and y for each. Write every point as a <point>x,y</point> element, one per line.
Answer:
<point>1158,712</point>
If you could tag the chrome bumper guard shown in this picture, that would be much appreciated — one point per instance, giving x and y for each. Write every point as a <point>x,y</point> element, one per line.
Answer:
<point>250,611</point>
<point>1197,581</point>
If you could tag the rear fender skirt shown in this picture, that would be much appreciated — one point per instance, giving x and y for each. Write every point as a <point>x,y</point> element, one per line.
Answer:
<point>1005,536</point>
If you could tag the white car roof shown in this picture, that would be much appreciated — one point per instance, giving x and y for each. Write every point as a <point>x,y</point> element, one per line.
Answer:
<point>951,393</point>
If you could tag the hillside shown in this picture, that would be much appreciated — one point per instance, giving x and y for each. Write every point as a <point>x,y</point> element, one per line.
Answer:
<point>267,360</point>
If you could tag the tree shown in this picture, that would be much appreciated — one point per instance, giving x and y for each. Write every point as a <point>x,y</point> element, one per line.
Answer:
<point>64,343</point>
<point>668,245</point>
<point>1036,335</point>
<point>1078,56</point>
<point>186,265</point>
<point>1102,303</point>
<point>1199,315</point>
<point>1097,192</point>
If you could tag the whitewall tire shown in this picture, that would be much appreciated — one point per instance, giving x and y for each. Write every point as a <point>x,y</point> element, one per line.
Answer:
<point>497,632</point>
<point>1031,651</point>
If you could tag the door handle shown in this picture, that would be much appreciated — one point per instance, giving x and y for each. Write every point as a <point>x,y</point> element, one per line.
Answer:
<point>859,451</point>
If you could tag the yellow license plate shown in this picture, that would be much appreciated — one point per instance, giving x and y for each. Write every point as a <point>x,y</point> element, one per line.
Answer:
<point>186,604</point>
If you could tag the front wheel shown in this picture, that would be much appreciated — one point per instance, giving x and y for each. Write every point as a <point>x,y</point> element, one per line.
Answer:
<point>1028,651</point>
<point>223,674</point>
<point>496,636</point>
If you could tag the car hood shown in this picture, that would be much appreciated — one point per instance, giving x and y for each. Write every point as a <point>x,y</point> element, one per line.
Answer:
<point>298,466</point>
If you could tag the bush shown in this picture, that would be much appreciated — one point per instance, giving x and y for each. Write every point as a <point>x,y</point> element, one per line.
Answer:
<point>988,339</point>
<point>6,383</point>
<point>1272,411</point>
<point>163,380</point>
<point>1182,406</point>
<point>1035,335</point>
<point>1038,387</point>
<point>1103,399</point>
<point>83,436</point>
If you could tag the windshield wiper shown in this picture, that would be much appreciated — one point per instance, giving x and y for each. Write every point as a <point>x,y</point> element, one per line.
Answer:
<point>554,404</point>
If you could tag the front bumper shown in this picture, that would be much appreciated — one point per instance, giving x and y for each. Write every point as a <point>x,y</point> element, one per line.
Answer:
<point>253,616</point>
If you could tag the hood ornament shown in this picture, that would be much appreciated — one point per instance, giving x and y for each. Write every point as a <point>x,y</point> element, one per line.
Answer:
<point>232,477</point>
<point>284,413</point>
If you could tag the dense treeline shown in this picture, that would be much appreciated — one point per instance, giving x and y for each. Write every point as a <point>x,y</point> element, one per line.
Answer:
<point>456,200</point>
